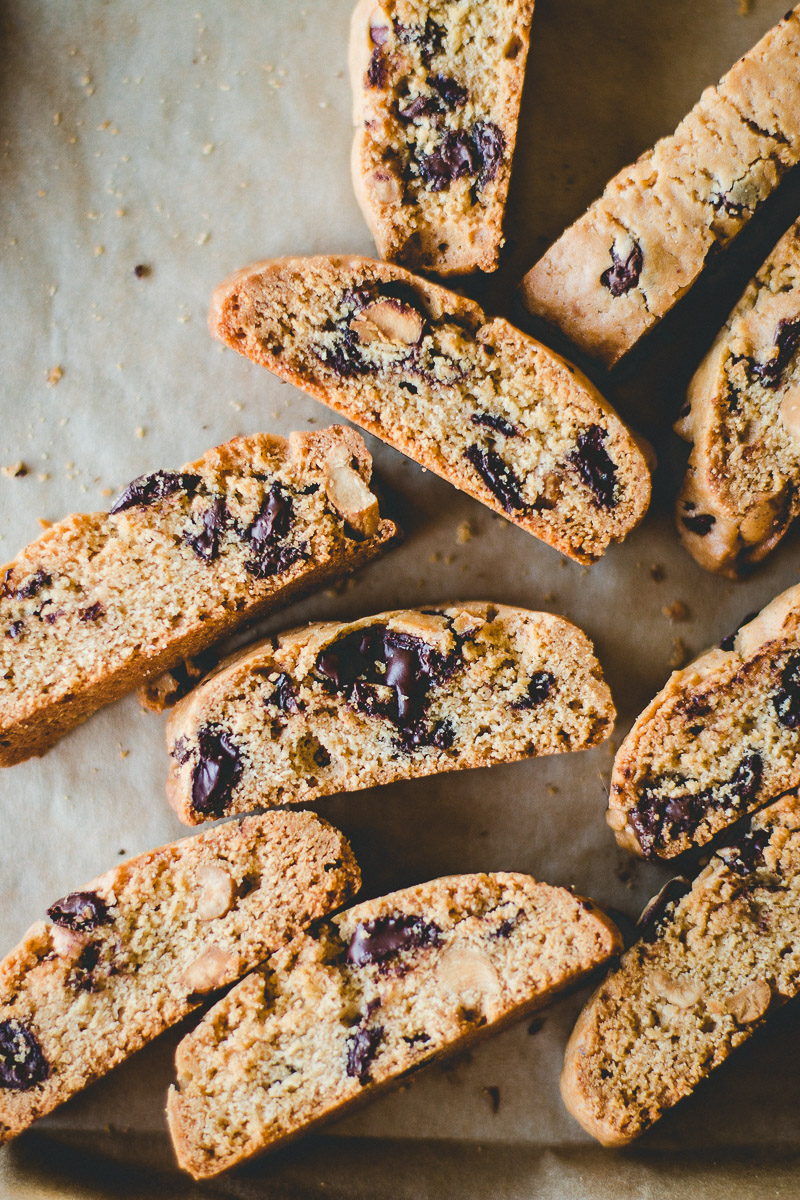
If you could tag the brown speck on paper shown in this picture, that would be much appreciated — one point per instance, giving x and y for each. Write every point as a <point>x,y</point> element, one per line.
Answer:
<point>677,611</point>
<point>15,470</point>
<point>494,1097</point>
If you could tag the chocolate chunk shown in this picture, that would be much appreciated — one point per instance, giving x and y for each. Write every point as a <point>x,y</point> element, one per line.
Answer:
<point>181,751</point>
<point>507,927</point>
<point>440,734</point>
<point>361,1048</point>
<point>594,466</point>
<point>344,660</point>
<point>379,34</point>
<point>218,770</point>
<point>22,1063</point>
<point>379,940</point>
<point>378,69</point>
<point>539,688</point>
<point>33,586</point>
<point>699,523</point>
<point>721,200</point>
<point>149,489</point>
<point>284,696</point>
<point>205,543</point>
<point>490,144</point>
<point>625,272</point>
<point>745,858</point>
<point>657,912</point>
<point>79,910</point>
<point>15,629</point>
<point>402,670</point>
<point>498,477</point>
<point>428,37</point>
<point>787,340</point>
<point>454,158</point>
<point>274,518</point>
<point>93,613</point>
<point>496,423</point>
<point>420,106</point>
<point>451,93</point>
<point>414,1038</point>
<point>729,639</point>
<point>345,358</point>
<point>786,701</point>
<point>274,560</point>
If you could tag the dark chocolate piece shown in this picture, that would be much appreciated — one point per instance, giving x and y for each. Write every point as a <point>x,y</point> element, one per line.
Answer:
<point>205,543</point>
<point>539,688</point>
<point>625,272</point>
<point>699,523</point>
<point>33,586</point>
<point>22,1063</point>
<point>497,423</point>
<point>656,913</point>
<point>786,701</point>
<point>594,466</point>
<point>218,770</point>
<point>379,940</point>
<point>149,489</point>
<point>361,1048</point>
<point>284,696</point>
<point>787,340</point>
<point>93,613</point>
<point>79,910</point>
<point>498,477</point>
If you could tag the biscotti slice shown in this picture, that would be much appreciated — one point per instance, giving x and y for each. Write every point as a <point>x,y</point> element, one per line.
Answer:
<point>742,414</point>
<point>345,1012</point>
<point>720,739</point>
<point>138,948</point>
<point>624,264</point>
<point>709,967</point>
<point>338,707</point>
<point>478,402</point>
<point>436,92</point>
<point>103,601</point>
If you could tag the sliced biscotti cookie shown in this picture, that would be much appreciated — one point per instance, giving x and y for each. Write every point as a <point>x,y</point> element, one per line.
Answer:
<point>135,950</point>
<point>345,1012</point>
<point>708,968</point>
<point>624,264</point>
<point>486,407</point>
<point>103,601</point>
<point>742,414</point>
<point>338,707</point>
<point>720,739</point>
<point>436,92</point>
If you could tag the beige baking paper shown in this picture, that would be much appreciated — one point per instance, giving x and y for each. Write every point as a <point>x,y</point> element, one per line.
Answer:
<point>191,138</point>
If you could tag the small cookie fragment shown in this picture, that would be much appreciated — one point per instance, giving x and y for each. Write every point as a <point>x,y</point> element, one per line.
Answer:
<point>436,93</point>
<point>139,947</point>
<point>339,707</point>
<point>711,964</point>
<point>344,1013</point>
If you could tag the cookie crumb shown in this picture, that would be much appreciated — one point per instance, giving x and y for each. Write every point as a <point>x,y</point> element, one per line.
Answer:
<point>464,532</point>
<point>106,491</point>
<point>54,375</point>
<point>43,523</point>
<point>680,654</point>
<point>15,470</point>
<point>677,611</point>
<point>494,1097</point>
<point>657,573</point>
<point>140,431</point>
<point>745,7</point>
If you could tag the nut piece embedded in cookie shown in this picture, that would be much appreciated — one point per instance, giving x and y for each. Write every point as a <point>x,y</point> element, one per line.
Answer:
<point>683,993</point>
<point>750,1003</point>
<point>388,321</point>
<point>468,970</point>
<point>349,494</point>
<point>216,894</point>
<point>213,968</point>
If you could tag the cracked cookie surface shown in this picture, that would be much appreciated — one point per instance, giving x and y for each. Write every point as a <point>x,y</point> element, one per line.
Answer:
<point>719,740</point>
<point>742,414</point>
<point>138,948</point>
<point>344,1012</point>
<point>709,967</point>
<point>478,402</point>
<point>624,264</point>
<point>339,707</point>
<point>103,601</point>
<point>436,93</point>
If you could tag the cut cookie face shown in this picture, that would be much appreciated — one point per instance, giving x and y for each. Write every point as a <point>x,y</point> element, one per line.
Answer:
<point>478,402</point>
<point>345,1012</point>
<point>131,953</point>
<point>102,602</point>
<point>339,707</point>
<point>436,94</point>
<point>721,739</point>
<point>713,960</point>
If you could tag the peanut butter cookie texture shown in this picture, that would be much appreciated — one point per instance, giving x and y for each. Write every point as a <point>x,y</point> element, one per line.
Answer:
<point>712,961</point>
<point>338,707</point>
<point>345,1012</point>
<point>135,950</point>
<point>719,740</point>
<point>103,601</point>
<point>624,264</point>
<point>436,92</point>
<point>476,401</point>
<point>742,414</point>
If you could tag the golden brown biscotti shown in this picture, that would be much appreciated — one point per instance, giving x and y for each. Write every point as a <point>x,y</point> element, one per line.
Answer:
<point>138,948</point>
<point>476,401</point>
<point>720,739</point>
<point>346,1012</point>
<point>341,706</point>
<point>709,967</point>
<point>742,416</point>
<point>624,264</point>
<point>104,601</point>
<point>436,93</point>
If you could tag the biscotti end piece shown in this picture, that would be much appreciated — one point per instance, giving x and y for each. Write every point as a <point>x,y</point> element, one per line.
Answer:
<point>719,740</point>
<point>479,403</point>
<point>138,948</point>
<point>339,707</point>
<point>627,261</point>
<point>101,603</point>
<point>712,961</point>
<point>742,415</point>
<point>436,94</point>
<point>345,1013</point>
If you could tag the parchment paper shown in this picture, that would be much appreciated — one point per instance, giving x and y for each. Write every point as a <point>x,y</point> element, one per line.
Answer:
<point>190,139</point>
